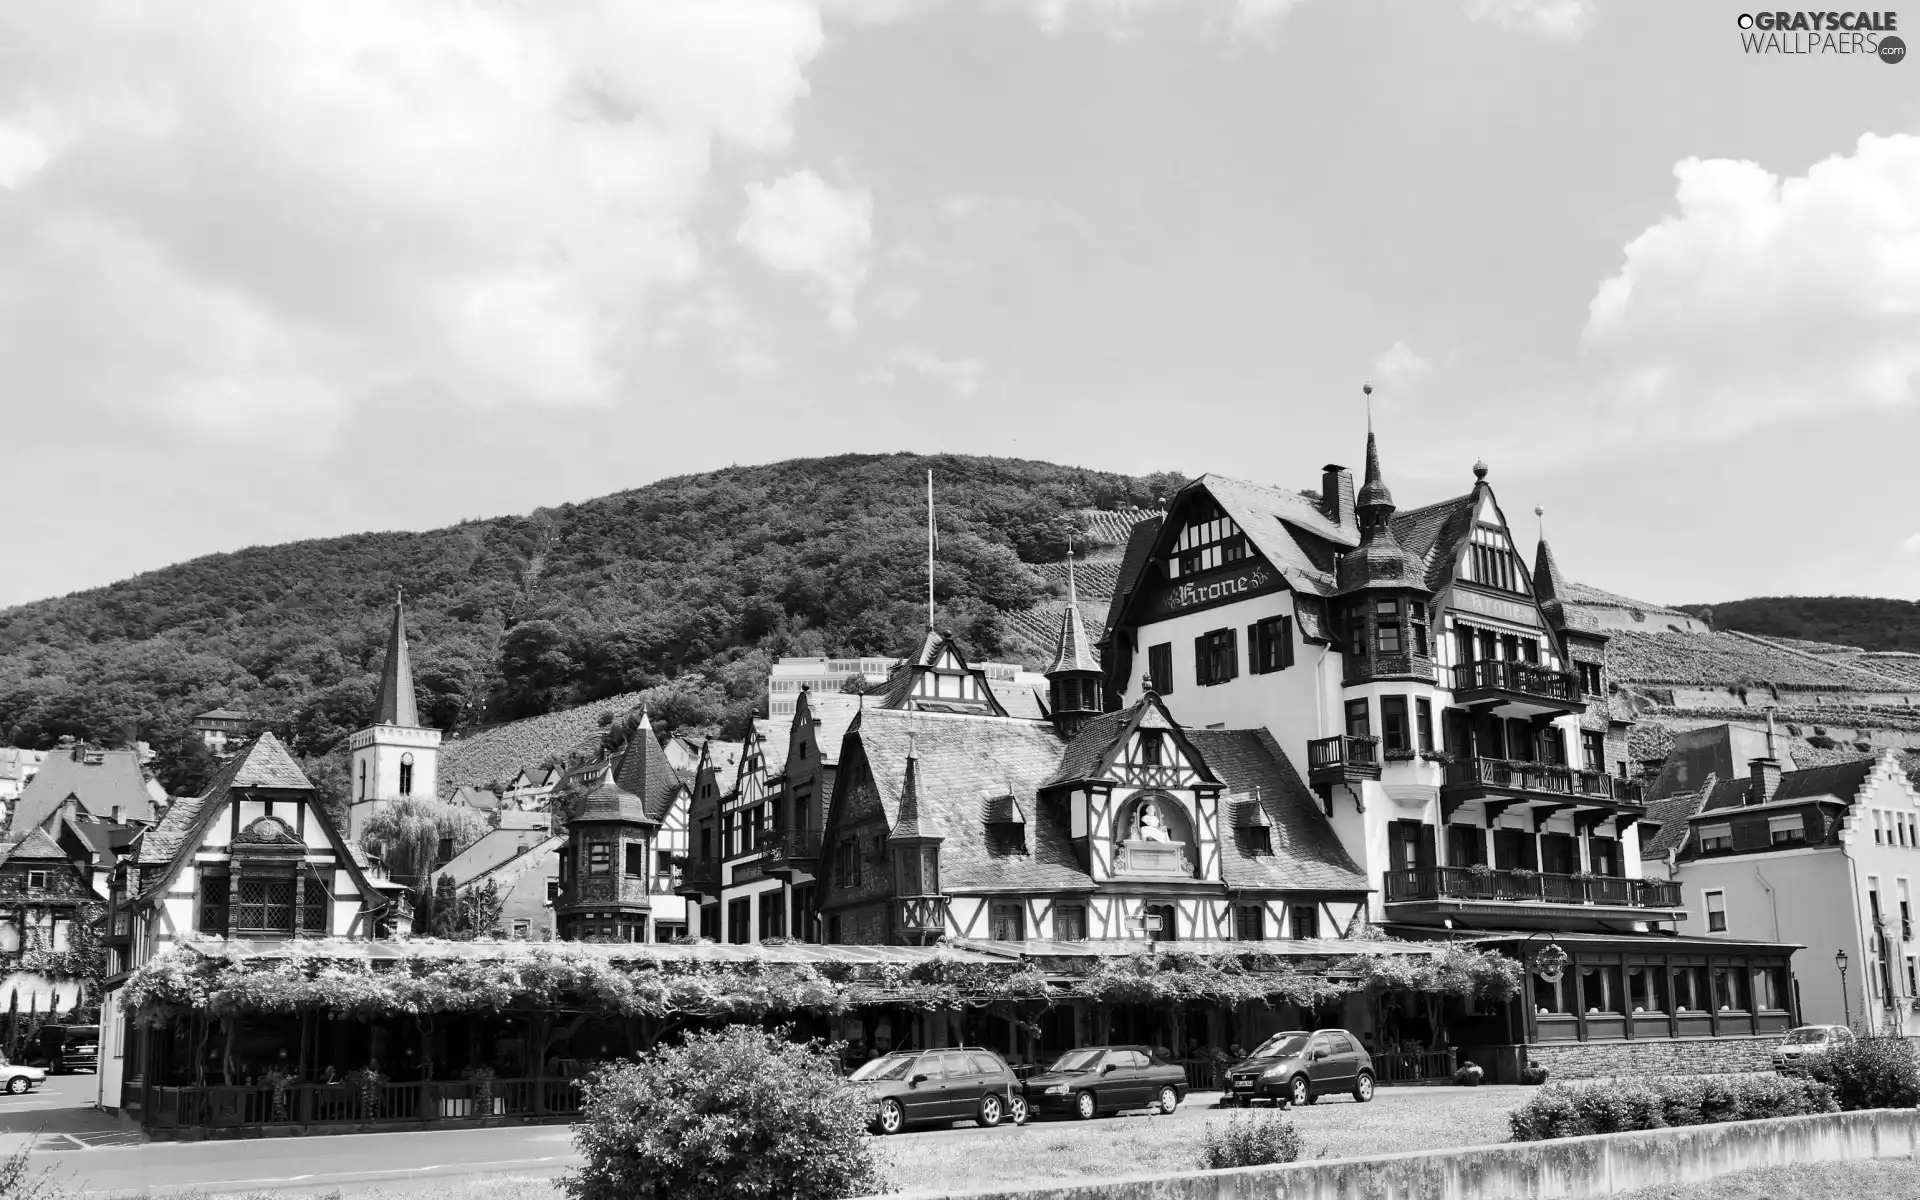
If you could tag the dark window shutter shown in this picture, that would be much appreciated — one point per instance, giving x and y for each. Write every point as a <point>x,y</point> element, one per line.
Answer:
<point>1200,673</point>
<point>1232,650</point>
<point>1256,660</point>
<point>1424,851</point>
<point>1286,642</point>
<point>1529,851</point>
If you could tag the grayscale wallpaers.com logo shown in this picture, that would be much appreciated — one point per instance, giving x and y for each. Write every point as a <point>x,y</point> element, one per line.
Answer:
<point>1870,34</point>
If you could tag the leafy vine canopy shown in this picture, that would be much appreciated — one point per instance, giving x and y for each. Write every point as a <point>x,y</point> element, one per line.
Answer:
<point>345,979</point>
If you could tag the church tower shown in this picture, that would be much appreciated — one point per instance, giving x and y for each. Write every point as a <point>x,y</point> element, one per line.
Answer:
<point>395,757</point>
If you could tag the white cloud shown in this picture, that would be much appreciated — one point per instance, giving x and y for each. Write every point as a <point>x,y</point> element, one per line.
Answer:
<point>1911,545</point>
<point>1564,20</point>
<point>249,217</point>
<point>1120,16</point>
<point>1767,298</point>
<point>804,225</point>
<point>963,375</point>
<point>1400,365</point>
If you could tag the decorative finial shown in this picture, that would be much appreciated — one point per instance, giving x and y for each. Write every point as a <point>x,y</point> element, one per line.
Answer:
<point>1540,512</point>
<point>1146,681</point>
<point>1366,389</point>
<point>1072,598</point>
<point>1480,469</point>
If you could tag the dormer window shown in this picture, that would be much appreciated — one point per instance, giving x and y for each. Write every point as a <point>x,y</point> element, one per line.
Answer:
<point>1152,748</point>
<point>36,881</point>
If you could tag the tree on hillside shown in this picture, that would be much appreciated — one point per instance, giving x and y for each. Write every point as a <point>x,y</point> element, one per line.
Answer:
<point>181,761</point>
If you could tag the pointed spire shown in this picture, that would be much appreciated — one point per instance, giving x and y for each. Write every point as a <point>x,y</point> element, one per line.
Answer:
<point>395,703</point>
<point>1546,572</point>
<point>1073,597</point>
<point>908,824</point>
<point>1073,651</point>
<point>1373,492</point>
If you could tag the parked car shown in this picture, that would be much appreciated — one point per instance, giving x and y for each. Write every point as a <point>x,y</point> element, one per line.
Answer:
<point>19,1078</point>
<point>1104,1079</point>
<point>1808,1042</point>
<point>63,1049</point>
<point>916,1087</point>
<point>1300,1066</point>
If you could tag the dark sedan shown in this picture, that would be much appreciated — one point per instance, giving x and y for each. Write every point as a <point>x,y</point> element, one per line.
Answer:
<point>1299,1067</point>
<point>1106,1079</point>
<point>917,1087</point>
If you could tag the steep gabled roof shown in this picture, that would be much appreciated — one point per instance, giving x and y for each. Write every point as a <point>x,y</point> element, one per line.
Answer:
<point>1307,853</point>
<point>1664,827</point>
<point>36,846</point>
<point>114,779</point>
<point>394,704</point>
<point>962,761</point>
<point>831,714</point>
<point>1100,740</point>
<point>1133,565</point>
<point>642,786</point>
<point>1432,533</point>
<point>1840,781</point>
<point>262,762</point>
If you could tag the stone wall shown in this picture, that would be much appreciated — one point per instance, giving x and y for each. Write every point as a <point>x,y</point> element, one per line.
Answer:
<point>1582,1168</point>
<point>1654,1056</point>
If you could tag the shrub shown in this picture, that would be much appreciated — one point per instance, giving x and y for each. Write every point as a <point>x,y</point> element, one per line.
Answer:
<point>1469,1076</point>
<point>739,1114</point>
<point>1615,1106</point>
<point>1249,1140</point>
<point>1534,1074</point>
<point>1872,1073</point>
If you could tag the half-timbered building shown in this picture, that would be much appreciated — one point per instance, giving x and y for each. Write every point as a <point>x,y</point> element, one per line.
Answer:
<point>256,858</point>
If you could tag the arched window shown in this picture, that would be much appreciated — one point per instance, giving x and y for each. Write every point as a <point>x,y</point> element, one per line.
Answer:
<point>406,774</point>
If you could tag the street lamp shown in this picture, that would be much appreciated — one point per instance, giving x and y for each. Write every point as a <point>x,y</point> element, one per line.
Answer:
<point>1846,1001</point>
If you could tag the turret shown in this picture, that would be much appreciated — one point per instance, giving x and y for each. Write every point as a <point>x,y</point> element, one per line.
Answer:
<point>1382,597</point>
<point>1073,677</point>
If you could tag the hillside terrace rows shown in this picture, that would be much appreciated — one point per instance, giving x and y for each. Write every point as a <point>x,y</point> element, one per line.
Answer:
<point>494,756</point>
<point>1733,660</point>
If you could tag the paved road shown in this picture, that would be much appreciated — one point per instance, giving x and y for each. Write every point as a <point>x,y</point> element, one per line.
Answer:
<point>93,1154</point>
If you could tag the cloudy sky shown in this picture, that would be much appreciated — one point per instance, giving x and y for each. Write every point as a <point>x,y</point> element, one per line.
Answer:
<point>272,271</point>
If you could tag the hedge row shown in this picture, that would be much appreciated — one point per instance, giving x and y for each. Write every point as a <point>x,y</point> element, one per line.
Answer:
<point>1566,1110</point>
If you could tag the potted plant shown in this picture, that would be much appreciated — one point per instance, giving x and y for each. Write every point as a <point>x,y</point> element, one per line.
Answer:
<point>1533,1074</point>
<point>366,1084</point>
<point>484,1102</point>
<point>1469,1075</point>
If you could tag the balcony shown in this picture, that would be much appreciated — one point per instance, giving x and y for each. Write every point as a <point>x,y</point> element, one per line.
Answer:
<point>1444,891</point>
<point>1343,758</point>
<point>1498,778</point>
<point>1517,689</point>
<point>920,916</point>
<point>699,880</point>
<point>784,855</point>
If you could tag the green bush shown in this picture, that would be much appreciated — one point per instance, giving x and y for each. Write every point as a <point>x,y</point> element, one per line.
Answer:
<point>1249,1140</point>
<point>1533,1074</point>
<point>740,1114</point>
<point>1873,1073</point>
<point>1575,1110</point>
<point>1469,1076</point>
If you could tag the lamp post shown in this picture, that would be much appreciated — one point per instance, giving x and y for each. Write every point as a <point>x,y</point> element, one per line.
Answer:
<point>1846,1001</point>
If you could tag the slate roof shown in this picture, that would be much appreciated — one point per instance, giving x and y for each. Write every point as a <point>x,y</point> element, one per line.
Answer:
<point>37,846</point>
<point>223,714</point>
<point>1307,854</point>
<point>262,762</point>
<point>642,787</point>
<point>962,761</point>
<point>1021,700</point>
<point>495,849</point>
<point>1072,651</point>
<point>394,704</point>
<point>1665,827</point>
<point>1133,565</point>
<point>832,713</point>
<point>115,780</point>
<point>1431,533</point>
<point>1839,780</point>
<point>1082,757</point>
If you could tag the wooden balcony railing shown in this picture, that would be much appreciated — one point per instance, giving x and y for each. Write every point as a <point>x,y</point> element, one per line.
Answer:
<point>797,849</point>
<point>1517,678</point>
<point>1548,779</point>
<point>1423,1066</point>
<point>921,914</point>
<point>1344,753</point>
<point>1466,883</point>
<point>218,1107</point>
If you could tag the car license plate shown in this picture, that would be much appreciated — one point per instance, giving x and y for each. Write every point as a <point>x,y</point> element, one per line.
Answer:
<point>1243,1085</point>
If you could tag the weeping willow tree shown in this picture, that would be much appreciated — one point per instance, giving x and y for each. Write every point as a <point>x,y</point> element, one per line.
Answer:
<point>408,834</point>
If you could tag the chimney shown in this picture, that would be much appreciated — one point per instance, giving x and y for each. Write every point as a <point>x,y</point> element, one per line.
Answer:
<point>1336,493</point>
<point>1766,771</point>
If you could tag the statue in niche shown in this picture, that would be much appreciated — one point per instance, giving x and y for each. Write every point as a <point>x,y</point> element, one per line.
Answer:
<point>1149,825</point>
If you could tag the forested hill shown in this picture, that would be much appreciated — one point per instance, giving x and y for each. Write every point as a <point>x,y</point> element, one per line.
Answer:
<point>689,587</point>
<point>1871,623</point>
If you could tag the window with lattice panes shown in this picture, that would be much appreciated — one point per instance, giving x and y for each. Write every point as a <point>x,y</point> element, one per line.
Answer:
<point>315,907</point>
<point>265,905</point>
<point>1209,539</point>
<point>215,893</point>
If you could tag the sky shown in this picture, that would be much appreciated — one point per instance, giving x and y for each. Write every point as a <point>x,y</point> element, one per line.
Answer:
<point>272,271</point>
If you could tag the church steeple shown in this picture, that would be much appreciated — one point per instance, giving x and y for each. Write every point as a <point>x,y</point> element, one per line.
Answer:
<point>394,757</point>
<point>395,704</point>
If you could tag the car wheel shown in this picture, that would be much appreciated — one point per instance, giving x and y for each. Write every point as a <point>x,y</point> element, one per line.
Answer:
<point>17,1084</point>
<point>1363,1087</point>
<point>991,1110</point>
<point>1018,1111</point>
<point>892,1118</point>
<point>1300,1092</point>
<point>1169,1100</point>
<point>1084,1106</point>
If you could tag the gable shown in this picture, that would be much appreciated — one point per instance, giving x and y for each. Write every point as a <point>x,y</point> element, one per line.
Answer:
<point>1207,553</point>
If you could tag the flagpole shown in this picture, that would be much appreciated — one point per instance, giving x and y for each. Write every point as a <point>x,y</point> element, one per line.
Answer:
<point>930,537</point>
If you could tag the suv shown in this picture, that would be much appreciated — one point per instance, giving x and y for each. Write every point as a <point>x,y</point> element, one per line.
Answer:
<point>1300,1066</point>
<point>1808,1042</point>
<point>960,1083</point>
<point>63,1049</point>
